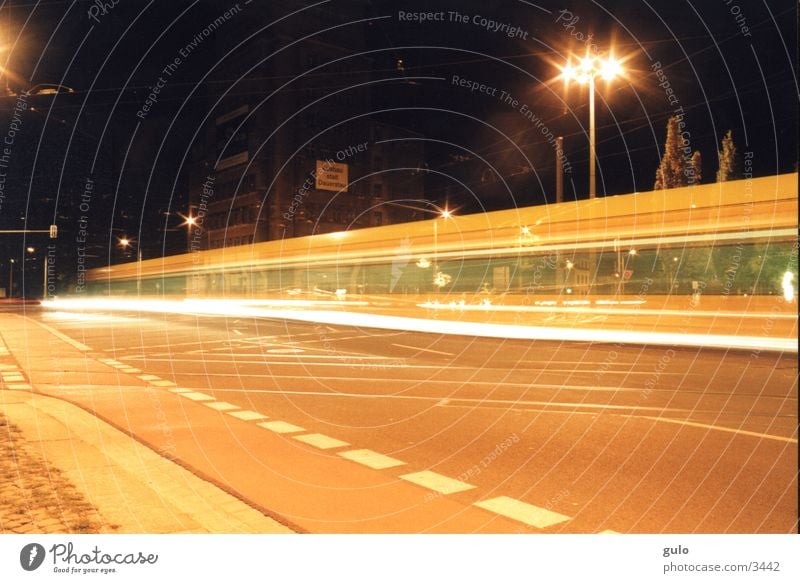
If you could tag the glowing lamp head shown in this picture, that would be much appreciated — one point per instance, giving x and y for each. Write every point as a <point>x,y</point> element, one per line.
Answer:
<point>124,242</point>
<point>446,214</point>
<point>610,68</point>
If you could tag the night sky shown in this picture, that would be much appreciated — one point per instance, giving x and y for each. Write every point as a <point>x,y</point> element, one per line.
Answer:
<point>729,65</point>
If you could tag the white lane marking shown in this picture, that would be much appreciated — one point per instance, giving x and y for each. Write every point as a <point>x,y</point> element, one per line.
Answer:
<point>149,377</point>
<point>116,363</point>
<point>371,459</point>
<point>13,378</point>
<point>162,383</point>
<point>522,512</point>
<point>724,429</point>
<point>437,482</point>
<point>130,369</point>
<point>19,387</point>
<point>424,349</point>
<point>8,367</point>
<point>321,441</point>
<point>181,391</point>
<point>285,350</point>
<point>247,415</point>
<point>608,532</point>
<point>280,427</point>
<point>221,406</point>
<point>235,331</point>
<point>64,337</point>
<point>197,396</point>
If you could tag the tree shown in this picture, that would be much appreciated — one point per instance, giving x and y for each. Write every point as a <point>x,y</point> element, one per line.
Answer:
<point>678,167</point>
<point>728,163</point>
<point>695,169</point>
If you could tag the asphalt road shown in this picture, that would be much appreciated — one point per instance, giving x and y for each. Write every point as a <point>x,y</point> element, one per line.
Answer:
<point>610,437</point>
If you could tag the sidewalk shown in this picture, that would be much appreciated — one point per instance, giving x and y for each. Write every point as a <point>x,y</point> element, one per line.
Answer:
<point>63,470</point>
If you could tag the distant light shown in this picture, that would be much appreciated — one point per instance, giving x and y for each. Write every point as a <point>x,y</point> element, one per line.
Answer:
<point>788,288</point>
<point>124,242</point>
<point>526,231</point>
<point>569,290</point>
<point>30,249</point>
<point>339,235</point>
<point>675,259</point>
<point>570,264</point>
<point>446,214</point>
<point>633,252</point>
<point>191,221</point>
<point>423,263</point>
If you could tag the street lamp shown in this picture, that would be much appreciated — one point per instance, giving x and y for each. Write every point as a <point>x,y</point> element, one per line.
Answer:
<point>587,70</point>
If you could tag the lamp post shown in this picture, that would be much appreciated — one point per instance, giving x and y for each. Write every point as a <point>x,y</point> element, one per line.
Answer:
<point>588,69</point>
<point>124,242</point>
<point>442,213</point>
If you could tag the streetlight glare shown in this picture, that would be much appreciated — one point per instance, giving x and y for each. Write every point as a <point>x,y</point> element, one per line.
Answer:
<point>610,68</point>
<point>446,214</point>
<point>30,249</point>
<point>124,242</point>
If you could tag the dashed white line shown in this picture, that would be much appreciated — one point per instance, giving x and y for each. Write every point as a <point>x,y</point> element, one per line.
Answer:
<point>281,427</point>
<point>197,396</point>
<point>221,406</point>
<point>148,377</point>
<point>247,415</point>
<point>162,383</point>
<point>321,441</point>
<point>437,482</point>
<point>19,387</point>
<point>371,459</point>
<point>522,512</point>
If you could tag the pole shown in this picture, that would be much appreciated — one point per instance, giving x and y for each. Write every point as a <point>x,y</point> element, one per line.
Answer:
<point>138,270</point>
<point>435,251</point>
<point>11,279</point>
<point>559,170</point>
<point>592,162</point>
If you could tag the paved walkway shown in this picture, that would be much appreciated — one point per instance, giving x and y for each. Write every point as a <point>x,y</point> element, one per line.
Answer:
<point>63,470</point>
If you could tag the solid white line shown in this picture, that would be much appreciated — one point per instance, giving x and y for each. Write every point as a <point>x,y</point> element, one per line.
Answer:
<point>247,415</point>
<point>280,427</point>
<point>64,337</point>
<point>522,512</point>
<point>221,406</point>
<point>437,482</point>
<point>724,429</point>
<point>321,441</point>
<point>424,349</point>
<point>371,459</point>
